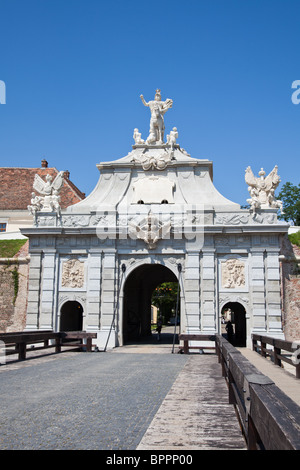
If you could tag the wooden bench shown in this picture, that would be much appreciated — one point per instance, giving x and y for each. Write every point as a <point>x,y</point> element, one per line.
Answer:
<point>186,338</point>
<point>21,342</point>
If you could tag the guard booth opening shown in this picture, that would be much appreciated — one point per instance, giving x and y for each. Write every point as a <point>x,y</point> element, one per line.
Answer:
<point>71,315</point>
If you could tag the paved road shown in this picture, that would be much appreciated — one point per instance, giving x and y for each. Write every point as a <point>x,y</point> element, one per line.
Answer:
<point>100,401</point>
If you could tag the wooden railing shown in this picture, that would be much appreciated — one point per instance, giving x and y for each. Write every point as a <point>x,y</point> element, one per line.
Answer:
<point>269,419</point>
<point>21,342</point>
<point>186,338</point>
<point>283,351</point>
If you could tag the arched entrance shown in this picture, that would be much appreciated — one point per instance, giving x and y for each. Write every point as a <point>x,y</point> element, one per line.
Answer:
<point>71,316</point>
<point>138,290</point>
<point>236,312</point>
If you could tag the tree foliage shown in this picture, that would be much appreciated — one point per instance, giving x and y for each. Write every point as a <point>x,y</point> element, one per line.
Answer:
<point>290,196</point>
<point>295,238</point>
<point>165,297</point>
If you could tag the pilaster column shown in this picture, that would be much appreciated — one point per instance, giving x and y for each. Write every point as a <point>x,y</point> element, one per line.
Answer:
<point>48,290</point>
<point>257,289</point>
<point>108,298</point>
<point>273,300</point>
<point>208,301</point>
<point>33,299</point>
<point>192,292</point>
<point>93,291</point>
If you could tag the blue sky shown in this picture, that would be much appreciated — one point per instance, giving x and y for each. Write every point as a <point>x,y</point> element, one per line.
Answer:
<point>74,71</point>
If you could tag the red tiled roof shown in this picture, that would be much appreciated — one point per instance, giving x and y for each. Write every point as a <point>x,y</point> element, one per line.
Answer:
<point>16,186</point>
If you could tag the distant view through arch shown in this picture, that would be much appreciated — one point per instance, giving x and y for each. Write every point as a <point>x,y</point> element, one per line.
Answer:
<point>138,291</point>
<point>236,313</point>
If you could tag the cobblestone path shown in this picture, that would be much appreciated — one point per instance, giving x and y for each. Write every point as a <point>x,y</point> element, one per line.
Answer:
<point>84,401</point>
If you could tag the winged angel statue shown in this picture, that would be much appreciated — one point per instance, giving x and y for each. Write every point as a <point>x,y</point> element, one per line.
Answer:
<point>49,199</point>
<point>262,189</point>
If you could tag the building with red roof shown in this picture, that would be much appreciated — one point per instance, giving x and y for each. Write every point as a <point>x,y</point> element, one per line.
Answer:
<point>16,187</point>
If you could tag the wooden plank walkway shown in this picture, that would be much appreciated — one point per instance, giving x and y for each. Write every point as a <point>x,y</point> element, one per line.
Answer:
<point>284,378</point>
<point>195,414</point>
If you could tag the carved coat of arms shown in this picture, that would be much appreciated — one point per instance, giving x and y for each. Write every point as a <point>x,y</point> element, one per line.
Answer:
<point>233,273</point>
<point>150,229</point>
<point>72,273</point>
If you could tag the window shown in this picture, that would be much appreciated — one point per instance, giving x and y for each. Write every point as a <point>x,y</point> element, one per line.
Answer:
<point>2,227</point>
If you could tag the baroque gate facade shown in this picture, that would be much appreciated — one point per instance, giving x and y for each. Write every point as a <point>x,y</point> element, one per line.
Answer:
<point>155,216</point>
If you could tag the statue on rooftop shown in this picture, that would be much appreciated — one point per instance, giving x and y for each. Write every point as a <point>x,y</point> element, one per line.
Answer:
<point>158,108</point>
<point>262,189</point>
<point>171,138</point>
<point>49,201</point>
<point>137,136</point>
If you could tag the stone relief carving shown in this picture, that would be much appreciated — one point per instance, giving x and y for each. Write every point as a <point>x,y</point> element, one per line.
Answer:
<point>154,162</point>
<point>67,297</point>
<point>221,240</point>
<point>264,219</point>
<point>49,201</point>
<point>231,219</point>
<point>157,108</point>
<point>45,221</point>
<point>242,240</point>
<point>72,273</point>
<point>76,220</point>
<point>233,298</point>
<point>262,189</point>
<point>233,273</point>
<point>150,229</point>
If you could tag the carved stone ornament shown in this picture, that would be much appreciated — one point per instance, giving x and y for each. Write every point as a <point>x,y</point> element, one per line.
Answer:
<point>154,162</point>
<point>76,220</point>
<point>231,219</point>
<point>233,273</point>
<point>150,230</point>
<point>262,189</point>
<point>49,199</point>
<point>72,274</point>
<point>233,298</point>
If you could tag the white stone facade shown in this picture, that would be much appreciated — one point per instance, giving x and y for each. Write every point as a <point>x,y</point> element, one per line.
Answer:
<point>152,212</point>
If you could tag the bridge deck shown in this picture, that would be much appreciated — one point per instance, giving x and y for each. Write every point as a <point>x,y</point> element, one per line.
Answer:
<point>195,415</point>
<point>284,378</point>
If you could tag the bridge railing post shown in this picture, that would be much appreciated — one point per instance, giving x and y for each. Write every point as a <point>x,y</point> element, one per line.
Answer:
<point>259,402</point>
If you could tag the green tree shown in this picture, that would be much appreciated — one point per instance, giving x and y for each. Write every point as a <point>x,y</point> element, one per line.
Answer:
<point>164,297</point>
<point>290,196</point>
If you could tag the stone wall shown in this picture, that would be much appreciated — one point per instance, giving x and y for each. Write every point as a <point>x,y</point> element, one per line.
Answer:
<point>13,311</point>
<point>290,277</point>
<point>13,291</point>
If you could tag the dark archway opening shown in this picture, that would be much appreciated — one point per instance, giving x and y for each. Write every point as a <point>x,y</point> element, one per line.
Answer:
<point>71,316</point>
<point>138,291</point>
<point>236,313</point>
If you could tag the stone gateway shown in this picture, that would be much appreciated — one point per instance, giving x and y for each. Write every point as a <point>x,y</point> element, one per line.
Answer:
<point>155,216</point>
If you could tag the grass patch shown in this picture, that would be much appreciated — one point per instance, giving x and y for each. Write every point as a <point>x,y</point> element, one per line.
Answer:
<point>8,248</point>
<point>295,238</point>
